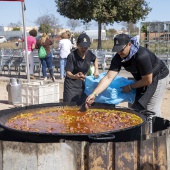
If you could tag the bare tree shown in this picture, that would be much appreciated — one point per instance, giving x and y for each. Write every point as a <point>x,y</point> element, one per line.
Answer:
<point>130,27</point>
<point>73,24</point>
<point>15,26</point>
<point>87,25</point>
<point>18,24</point>
<point>47,23</point>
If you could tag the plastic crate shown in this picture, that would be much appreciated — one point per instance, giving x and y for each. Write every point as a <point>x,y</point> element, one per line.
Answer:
<point>38,93</point>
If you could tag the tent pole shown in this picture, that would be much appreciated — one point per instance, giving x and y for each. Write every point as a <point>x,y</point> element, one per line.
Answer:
<point>25,40</point>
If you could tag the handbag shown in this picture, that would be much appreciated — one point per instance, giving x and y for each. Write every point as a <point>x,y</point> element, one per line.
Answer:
<point>42,52</point>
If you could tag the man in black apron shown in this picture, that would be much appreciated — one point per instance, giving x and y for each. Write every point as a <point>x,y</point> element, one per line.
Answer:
<point>150,74</point>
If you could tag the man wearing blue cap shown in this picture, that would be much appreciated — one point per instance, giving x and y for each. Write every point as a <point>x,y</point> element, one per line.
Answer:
<point>150,74</point>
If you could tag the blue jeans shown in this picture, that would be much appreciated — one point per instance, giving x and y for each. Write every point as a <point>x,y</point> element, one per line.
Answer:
<point>62,67</point>
<point>47,63</point>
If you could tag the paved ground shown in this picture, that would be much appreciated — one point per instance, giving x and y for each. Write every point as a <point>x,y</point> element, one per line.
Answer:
<point>4,79</point>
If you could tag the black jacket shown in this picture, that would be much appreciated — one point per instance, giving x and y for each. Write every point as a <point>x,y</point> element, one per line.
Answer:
<point>142,63</point>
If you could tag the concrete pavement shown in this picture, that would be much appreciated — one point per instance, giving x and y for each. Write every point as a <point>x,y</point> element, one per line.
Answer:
<point>6,78</point>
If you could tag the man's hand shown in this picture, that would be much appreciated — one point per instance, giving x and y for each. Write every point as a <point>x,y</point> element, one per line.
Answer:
<point>96,74</point>
<point>126,89</point>
<point>89,100</point>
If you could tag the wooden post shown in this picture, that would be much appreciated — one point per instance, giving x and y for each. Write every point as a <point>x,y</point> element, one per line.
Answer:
<point>126,156</point>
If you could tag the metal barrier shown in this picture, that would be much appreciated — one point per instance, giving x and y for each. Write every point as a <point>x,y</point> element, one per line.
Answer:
<point>104,57</point>
<point>14,60</point>
<point>5,59</point>
<point>56,63</point>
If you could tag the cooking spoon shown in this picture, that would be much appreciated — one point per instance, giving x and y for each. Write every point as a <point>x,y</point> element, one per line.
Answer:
<point>83,107</point>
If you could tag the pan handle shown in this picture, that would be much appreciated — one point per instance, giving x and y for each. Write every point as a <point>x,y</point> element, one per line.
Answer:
<point>147,112</point>
<point>101,137</point>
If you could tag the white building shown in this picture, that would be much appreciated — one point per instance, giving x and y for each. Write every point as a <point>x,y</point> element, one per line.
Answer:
<point>93,34</point>
<point>21,28</point>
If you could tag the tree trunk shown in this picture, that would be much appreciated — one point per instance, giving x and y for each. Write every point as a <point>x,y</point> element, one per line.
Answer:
<point>147,40</point>
<point>99,35</point>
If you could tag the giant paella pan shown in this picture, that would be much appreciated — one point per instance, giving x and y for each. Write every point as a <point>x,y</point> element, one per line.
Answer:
<point>63,121</point>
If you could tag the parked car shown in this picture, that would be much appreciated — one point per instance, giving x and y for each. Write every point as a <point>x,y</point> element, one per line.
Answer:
<point>2,39</point>
<point>15,38</point>
<point>164,37</point>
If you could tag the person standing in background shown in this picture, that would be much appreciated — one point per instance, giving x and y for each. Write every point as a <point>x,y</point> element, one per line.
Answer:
<point>77,65</point>
<point>73,41</point>
<point>31,42</point>
<point>64,47</point>
<point>47,61</point>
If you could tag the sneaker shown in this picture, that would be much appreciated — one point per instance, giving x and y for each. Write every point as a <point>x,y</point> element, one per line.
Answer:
<point>45,78</point>
<point>32,76</point>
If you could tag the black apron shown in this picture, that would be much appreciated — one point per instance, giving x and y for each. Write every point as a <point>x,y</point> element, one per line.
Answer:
<point>144,94</point>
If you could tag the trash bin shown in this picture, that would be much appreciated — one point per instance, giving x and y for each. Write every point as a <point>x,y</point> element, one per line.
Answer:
<point>14,91</point>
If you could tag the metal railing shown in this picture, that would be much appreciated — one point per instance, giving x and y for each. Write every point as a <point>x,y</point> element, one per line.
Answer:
<point>14,60</point>
<point>104,57</point>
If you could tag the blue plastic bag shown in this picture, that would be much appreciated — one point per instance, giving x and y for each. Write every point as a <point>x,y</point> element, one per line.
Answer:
<point>113,94</point>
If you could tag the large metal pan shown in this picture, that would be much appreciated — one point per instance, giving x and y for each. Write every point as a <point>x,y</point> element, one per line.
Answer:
<point>122,135</point>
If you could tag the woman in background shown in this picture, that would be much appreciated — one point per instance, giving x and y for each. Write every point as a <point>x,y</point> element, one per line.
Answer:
<point>31,41</point>
<point>78,64</point>
<point>47,61</point>
<point>73,41</point>
<point>64,46</point>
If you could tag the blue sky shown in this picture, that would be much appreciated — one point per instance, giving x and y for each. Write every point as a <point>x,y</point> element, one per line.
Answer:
<point>10,12</point>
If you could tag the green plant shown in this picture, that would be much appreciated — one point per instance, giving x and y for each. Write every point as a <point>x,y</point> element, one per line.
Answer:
<point>16,29</point>
<point>105,44</point>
